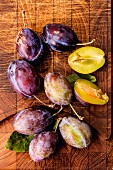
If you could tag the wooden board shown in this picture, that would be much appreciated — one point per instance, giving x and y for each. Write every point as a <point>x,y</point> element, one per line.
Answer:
<point>90,20</point>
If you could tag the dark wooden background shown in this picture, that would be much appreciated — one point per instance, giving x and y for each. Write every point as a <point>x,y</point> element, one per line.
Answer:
<point>89,19</point>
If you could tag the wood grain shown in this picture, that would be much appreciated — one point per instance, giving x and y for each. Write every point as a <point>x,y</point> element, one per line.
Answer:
<point>99,30</point>
<point>7,158</point>
<point>90,20</point>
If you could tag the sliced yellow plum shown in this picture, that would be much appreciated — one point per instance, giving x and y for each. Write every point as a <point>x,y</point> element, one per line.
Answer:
<point>86,59</point>
<point>88,93</point>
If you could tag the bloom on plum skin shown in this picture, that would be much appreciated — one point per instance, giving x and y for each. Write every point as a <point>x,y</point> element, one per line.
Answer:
<point>43,145</point>
<point>57,89</point>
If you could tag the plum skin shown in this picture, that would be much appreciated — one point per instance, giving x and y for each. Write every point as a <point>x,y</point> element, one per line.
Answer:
<point>59,37</point>
<point>29,45</point>
<point>80,100</point>
<point>23,78</point>
<point>32,120</point>
<point>43,145</point>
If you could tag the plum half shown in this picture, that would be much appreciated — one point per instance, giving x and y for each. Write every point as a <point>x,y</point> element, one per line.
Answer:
<point>88,93</point>
<point>86,59</point>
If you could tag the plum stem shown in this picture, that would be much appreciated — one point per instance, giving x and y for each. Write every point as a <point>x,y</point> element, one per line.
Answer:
<point>58,111</point>
<point>52,105</point>
<point>87,43</point>
<point>56,124</point>
<point>80,117</point>
<point>23,17</point>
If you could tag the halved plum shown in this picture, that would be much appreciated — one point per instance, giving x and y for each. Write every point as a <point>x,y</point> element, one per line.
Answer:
<point>86,59</point>
<point>88,93</point>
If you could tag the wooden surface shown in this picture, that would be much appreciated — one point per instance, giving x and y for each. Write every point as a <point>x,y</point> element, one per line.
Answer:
<point>89,19</point>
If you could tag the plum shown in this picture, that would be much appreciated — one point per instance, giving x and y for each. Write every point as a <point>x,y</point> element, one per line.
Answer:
<point>32,120</point>
<point>88,93</point>
<point>24,78</point>
<point>59,37</point>
<point>75,132</point>
<point>57,89</point>
<point>43,145</point>
<point>29,45</point>
<point>86,59</point>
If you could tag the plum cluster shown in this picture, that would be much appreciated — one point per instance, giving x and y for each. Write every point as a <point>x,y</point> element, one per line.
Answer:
<point>26,81</point>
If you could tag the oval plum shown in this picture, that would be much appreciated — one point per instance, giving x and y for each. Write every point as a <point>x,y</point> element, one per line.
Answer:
<point>29,45</point>
<point>75,132</point>
<point>43,145</point>
<point>32,120</point>
<point>23,78</point>
<point>59,37</point>
<point>57,89</point>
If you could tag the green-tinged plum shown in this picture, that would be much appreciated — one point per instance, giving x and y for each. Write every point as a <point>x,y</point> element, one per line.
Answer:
<point>43,145</point>
<point>32,120</point>
<point>57,89</point>
<point>88,93</point>
<point>75,132</point>
<point>86,59</point>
